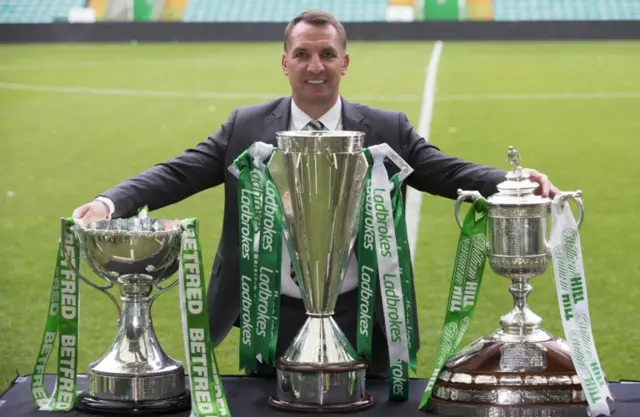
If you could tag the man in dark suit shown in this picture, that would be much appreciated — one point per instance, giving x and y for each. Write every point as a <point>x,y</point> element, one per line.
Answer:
<point>314,60</point>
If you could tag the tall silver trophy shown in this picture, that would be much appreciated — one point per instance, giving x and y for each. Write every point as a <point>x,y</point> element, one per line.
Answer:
<point>136,256</point>
<point>320,179</point>
<point>520,370</point>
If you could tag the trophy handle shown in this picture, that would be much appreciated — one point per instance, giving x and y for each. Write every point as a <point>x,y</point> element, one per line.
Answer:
<point>575,196</point>
<point>463,196</point>
<point>102,289</point>
<point>162,290</point>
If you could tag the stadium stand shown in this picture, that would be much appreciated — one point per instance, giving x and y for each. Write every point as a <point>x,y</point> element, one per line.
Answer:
<point>281,10</point>
<point>36,11</point>
<point>518,10</point>
<point>46,11</point>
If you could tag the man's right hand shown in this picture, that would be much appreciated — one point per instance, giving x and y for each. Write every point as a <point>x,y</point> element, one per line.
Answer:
<point>91,212</point>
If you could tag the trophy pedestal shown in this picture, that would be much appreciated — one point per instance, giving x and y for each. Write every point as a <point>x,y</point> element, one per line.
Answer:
<point>338,388</point>
<point>508,375</point>
<point>88,404</point>
<point>135,394</point>
<point>320,373</point>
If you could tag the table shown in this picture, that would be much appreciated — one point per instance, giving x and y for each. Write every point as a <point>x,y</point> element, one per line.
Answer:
<point>247,397</point>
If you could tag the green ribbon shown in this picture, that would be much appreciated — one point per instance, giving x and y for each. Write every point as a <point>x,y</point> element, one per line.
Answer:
<point>62,321</point>
<point>269,273</point>
<point>400,371</point>
<point>260,235</point>
<point>397,265</point>
<point>249,203</point>
<point>464,289</point>
<point>207,393</point>
<point>367,271</point>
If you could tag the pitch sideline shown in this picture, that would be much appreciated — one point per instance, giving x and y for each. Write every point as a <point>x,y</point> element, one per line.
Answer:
<point>414,197</point>
<point>220,95</point>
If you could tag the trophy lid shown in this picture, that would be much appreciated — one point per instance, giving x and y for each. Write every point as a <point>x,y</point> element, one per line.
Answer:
<point>517,189</point>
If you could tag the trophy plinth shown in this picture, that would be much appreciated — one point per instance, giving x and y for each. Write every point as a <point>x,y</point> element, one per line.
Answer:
<point>320,179</point>
<point>135,376</point>
<point>520,370</point>
<point>311,376</point>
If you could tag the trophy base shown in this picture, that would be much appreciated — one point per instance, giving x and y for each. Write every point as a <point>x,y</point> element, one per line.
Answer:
<point>321,388</point>
<point>473,410</point>
<point>88,404</point>
<point>510,376</point>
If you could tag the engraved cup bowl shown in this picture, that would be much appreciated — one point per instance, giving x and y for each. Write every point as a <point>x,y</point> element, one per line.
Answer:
<point>147,249</point>
<point>517,237</point>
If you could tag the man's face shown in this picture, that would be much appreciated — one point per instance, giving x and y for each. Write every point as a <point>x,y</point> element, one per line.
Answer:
<point>315,61</point>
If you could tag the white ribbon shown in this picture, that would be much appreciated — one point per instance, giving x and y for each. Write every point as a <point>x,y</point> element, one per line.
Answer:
<point>574,309</point>
<point>387,251</point>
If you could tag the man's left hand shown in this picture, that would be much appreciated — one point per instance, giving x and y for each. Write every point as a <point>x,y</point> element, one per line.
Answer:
<point>546,189</point>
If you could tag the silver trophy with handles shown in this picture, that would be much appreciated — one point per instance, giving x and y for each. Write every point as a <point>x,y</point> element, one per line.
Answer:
<point>135,375</point>
<point>320,179</point>
<point>520,370</point>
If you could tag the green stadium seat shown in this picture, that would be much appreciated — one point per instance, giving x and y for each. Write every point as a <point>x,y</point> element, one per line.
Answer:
<point>281,10</point>
<point>518,10</point>
<point>36,11</point>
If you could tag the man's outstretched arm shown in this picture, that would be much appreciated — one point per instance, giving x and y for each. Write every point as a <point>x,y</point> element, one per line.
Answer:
<point>166,183</point>
<point>440,174</point>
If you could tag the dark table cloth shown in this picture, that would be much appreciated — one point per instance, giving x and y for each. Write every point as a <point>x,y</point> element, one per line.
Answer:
<point>248,396</point>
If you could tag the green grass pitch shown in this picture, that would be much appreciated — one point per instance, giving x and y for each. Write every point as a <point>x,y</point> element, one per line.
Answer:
<point>78,119</point>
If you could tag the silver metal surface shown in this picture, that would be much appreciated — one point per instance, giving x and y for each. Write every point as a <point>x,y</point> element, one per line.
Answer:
<point>473,410</point>
<point>523,383</point>
<point>320,342</point>
<point>320,179</point>
<point>136,256</point>
<point>517,247</point>
<point>330,388</point>
<point>140,388</point>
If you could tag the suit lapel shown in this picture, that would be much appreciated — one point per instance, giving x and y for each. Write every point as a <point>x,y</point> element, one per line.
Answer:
<point>352,119</point>
<point>277,121</point>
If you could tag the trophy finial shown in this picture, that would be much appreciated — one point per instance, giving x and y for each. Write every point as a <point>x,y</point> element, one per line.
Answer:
<point>513,158</point>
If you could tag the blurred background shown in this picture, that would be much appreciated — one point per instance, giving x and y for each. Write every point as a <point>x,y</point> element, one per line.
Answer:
<point>45,11</point>
<point>76,118</point>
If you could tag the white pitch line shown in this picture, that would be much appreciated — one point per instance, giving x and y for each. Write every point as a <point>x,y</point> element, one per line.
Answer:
<point>414,197</point>
<point>179,94</point>
<point>540,96</point>
<point>220,95</point>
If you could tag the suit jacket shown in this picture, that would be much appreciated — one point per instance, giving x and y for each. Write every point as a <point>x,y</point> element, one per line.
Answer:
<point>205,166</point>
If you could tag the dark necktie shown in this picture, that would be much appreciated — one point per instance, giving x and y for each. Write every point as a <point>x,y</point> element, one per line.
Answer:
<point>315,125</point>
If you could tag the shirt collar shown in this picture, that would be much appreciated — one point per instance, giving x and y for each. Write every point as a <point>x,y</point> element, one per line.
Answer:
<point>331,119</point>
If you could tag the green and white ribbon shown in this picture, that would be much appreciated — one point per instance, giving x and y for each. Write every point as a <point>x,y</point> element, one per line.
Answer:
<point>260,256</point>
<point>400,372</point>
<point>367,271</point>
<point>208,398</point>
<point>269,273</point>
<point>250,183</point>
<point>61,323</point>
<point>389,250</point>
<point>467,275</point>
<point>571,287</point>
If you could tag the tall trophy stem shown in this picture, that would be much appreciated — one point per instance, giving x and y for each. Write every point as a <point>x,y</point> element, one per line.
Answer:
<point>520,321</point>
<point>135,331</point>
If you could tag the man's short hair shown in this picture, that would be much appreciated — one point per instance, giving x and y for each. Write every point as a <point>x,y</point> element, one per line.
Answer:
<point>316,18</point>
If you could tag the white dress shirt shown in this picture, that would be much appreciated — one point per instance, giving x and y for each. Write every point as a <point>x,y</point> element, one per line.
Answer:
<point>332,120</point>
